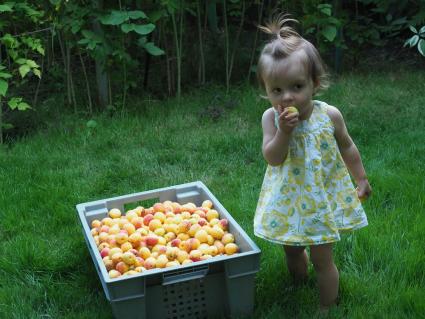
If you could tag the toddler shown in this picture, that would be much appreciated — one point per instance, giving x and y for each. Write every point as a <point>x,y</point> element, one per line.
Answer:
<point>307,197</point>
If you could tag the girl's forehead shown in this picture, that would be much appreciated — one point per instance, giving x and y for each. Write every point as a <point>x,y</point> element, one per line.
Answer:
<point>291,68</point>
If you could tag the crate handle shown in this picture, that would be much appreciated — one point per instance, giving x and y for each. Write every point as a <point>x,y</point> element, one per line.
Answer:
<point>184,275</point>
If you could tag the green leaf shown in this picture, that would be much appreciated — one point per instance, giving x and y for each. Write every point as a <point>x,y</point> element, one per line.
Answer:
<point>414,40</point>
<point>115,18</point>
<point>91,124</point>
<point>6,7</point>
<point>2,67</point>
<point>8,40</point>
<point>3,87</point>
<point>13,102</point>
<point>127,27</point>
<point>142,41</point>
<point>92,36</point>
<point>411,27</point>
<point>406,43</point>
<point>7,126</point>
<point>137,14</point>
<point>37,73</point>
<point>5,75</point>
<point>21,61</point>
<point>153,49</point>
<point>75,28</point>
<point>23,106</point>
<point>421,47</point>
<point>325,8</point>
<point>32,64</point>
<point>144,28</point>
<point>23,70</point>
<point>422,30</point>
<point>329,33</point>
<point>40,50</point>
<point>156,15</point>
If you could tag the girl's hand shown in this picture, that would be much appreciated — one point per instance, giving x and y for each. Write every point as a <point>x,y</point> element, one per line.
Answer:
<point>364,190</point>
<point>287,121</point>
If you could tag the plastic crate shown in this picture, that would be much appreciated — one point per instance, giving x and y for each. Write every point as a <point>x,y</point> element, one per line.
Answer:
<point>223,286</point>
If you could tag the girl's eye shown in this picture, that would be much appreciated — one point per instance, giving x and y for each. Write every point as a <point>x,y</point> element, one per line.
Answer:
<point>298,86</point>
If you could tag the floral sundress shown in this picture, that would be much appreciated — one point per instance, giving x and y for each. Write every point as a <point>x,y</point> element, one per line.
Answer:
<point>310,198</point>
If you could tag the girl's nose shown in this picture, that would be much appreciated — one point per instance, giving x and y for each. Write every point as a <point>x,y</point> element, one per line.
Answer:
<point>287,97</point>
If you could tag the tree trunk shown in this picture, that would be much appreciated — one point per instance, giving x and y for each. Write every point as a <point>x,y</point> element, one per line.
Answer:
<point>226,38</point>
<point>235,44</point>
<point>201,48</point>
<point>254,48</point>
<point>87,83</point>
<point>178,57</point>
<point>101,74</point>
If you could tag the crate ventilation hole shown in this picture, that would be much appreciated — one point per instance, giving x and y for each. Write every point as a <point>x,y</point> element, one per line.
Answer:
<point>185,300</point>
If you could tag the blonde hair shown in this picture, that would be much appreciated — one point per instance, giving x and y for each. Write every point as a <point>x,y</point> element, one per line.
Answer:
<point>285,40</point>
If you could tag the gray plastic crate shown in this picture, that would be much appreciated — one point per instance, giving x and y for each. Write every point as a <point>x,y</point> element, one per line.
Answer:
<point>213,288</point>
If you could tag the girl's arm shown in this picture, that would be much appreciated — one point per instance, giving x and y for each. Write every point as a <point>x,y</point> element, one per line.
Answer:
<point>275,141</point>
<point>350,153</point>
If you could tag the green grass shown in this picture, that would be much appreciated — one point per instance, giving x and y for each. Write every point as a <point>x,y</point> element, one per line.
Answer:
<point>46,270</point>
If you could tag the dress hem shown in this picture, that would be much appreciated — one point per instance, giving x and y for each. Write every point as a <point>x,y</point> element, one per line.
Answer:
<point>292,243</point>
<point>309,243</point>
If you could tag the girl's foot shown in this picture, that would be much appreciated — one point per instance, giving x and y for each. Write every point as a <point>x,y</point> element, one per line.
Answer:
<point>323,311</point>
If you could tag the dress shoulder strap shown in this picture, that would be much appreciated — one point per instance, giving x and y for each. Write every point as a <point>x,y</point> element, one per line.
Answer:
<point>276,118</point>
<point>322,113</point>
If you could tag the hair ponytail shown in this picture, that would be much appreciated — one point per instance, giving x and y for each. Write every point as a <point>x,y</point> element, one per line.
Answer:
<point>277,28</point>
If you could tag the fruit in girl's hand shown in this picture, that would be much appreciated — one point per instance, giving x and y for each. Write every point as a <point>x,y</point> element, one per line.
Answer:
<point>292,109</point>
<point>167,234</point>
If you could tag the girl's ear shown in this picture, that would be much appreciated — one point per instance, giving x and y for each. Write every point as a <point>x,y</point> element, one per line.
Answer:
<point>316,84</point>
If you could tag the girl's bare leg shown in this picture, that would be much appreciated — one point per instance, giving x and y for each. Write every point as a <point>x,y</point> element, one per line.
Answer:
<point>327,274</point>
<point>297,262</point>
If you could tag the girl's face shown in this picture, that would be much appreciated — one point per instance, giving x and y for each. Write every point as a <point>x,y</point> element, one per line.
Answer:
<point>289,84</point>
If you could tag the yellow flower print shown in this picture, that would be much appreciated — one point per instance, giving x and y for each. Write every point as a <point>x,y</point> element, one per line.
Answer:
<point>329,221</point>
<point>346,199</point>
<point>306,206</point>
<point>296,174</point>
<point>275,223</point>
<point>285,202</point>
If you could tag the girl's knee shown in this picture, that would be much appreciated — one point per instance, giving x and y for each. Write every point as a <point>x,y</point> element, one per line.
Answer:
<point>321,257</point>
<point>322,264</point>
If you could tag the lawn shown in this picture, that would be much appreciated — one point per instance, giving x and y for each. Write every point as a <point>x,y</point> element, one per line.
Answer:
<point>46,270</point>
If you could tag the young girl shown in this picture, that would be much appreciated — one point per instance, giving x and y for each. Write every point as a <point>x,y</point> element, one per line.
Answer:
<point>307,197</point>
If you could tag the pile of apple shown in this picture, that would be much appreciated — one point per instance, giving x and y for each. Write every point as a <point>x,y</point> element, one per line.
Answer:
<point>167,234</point>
